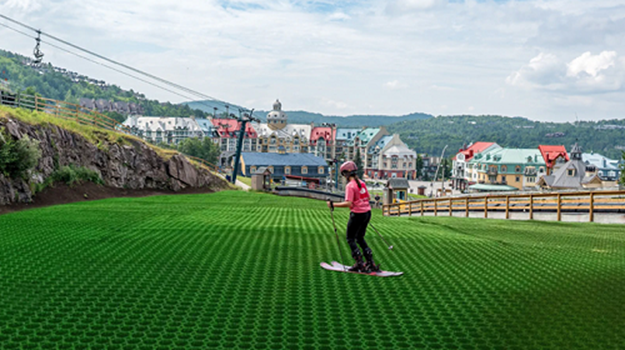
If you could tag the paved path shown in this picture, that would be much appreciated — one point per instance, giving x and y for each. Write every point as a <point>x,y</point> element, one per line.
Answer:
<point>243,186</point>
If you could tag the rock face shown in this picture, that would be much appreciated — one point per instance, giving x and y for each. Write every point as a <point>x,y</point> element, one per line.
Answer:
<point>133,165</point>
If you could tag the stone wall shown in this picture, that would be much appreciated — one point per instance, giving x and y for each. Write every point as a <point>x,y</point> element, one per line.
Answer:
<point>133,165</point>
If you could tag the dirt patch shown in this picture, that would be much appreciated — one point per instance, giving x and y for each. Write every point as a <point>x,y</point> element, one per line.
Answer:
<point>88,191</point>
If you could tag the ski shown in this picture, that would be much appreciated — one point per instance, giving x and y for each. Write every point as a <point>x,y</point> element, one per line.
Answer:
<point>342,268</point>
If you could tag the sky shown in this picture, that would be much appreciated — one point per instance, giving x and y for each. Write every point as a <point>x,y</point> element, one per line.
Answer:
<point>547,60</point>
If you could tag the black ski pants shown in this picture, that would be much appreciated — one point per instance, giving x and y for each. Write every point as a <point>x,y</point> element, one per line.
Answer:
<point>356,230</point>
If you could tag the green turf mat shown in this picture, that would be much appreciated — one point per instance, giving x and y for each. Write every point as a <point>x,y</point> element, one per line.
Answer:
<point>238,270</point>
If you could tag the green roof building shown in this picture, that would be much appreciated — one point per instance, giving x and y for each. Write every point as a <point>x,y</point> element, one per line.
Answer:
<point>516,167</point>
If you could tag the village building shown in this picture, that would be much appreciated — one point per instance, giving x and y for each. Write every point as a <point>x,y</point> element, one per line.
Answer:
<point>554,156</point>
<point>302,166</point>
<point>278,133</point>
<point>574,174</point>
<point>608,169</point>
<point>363,141</point>
<point>507,169</point>
<point>391,158</point>
<point>322,142</point>
<point>164,129</point>
<point>461,176</point>
<point>344,137</point>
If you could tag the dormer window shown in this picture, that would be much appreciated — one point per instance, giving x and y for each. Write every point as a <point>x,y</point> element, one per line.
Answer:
<point>571,172</point>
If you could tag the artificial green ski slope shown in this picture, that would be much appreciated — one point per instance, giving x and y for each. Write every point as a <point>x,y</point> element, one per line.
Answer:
<point>236,270</point>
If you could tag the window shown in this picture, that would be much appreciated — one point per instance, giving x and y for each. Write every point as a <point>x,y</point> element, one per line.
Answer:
<point>504,168</point>
<point>541,169</point>
<point>571,172</point>
<point>518,179</point>
<point>321,170</point>
<point>287,170</point>
<point>253,169</point>
<point>304,169</point>
<point>517,169</point>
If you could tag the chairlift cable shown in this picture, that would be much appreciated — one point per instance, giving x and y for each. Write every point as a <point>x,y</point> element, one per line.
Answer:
<point>109,67</point>
<point>180,87</point>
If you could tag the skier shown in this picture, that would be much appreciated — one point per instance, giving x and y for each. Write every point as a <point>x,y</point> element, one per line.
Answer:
<point>357,199</point>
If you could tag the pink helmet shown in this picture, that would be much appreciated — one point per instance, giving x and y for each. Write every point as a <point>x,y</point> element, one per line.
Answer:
<point>348,167</point>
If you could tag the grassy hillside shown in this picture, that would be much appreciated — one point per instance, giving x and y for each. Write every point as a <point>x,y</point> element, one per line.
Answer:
<point>56,85</point>
<point>241,270</point>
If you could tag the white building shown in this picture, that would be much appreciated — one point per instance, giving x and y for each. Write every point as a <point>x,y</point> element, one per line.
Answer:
<point>170,130</point>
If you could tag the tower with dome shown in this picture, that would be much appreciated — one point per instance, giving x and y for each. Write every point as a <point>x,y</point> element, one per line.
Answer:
<point>277,134</point>
<point>276,119</point>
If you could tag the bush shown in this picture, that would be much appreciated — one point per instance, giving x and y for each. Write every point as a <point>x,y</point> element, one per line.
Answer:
<point>72,174</point>
<point>18,157</point>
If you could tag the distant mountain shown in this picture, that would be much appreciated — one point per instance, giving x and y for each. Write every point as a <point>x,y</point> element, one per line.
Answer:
<point>303,117</point>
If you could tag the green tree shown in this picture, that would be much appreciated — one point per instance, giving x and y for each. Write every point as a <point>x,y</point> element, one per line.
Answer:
<point>201,148</point>
<point>358,160</point>
<point>622,166</point>
<point>419,166</point>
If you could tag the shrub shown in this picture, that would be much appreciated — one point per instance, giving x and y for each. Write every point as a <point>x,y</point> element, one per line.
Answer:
<point>18,157</point>
<point>72,174</point>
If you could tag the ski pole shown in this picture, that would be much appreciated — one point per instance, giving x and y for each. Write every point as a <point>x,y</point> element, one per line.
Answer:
<point>338,242</point>
<point>390,247</point>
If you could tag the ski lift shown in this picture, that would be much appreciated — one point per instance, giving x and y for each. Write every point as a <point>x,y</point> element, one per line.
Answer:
<point>36,52</point>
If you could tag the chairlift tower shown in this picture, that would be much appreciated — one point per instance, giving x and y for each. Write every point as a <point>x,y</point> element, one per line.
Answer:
<point>244,118</point>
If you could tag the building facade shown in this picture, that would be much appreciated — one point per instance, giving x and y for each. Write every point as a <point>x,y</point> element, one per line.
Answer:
<point>304,165</point>
<point>461,176</point>
<point>168,130</point>
<point>519,168</point>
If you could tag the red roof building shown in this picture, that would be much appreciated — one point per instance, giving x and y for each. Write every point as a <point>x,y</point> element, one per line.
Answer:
<point>474,149</point>
<point>228,128</point>
<point>321,131</point>
<point>551,154</point>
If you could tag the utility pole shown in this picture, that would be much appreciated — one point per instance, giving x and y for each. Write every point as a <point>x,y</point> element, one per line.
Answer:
<point>243,119</point>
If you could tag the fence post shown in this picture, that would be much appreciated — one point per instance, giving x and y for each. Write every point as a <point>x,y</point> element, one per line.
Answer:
<point>450,206</point>
<point>36,103</point>
<point>409,208</point>
<point>466,207</point>
<point>422,207</point>
<point>485,207</point>
<point>435,207</point>
<point>559,207</point>
<point>591,207</point>
<point>531,207</point>
<point>507,207</point>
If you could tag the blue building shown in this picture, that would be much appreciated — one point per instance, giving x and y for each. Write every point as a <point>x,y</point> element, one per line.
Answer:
<point>283,164</point>
<point>608,169</point>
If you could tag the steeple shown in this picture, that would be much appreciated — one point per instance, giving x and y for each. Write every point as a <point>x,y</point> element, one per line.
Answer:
<point>576,152</point>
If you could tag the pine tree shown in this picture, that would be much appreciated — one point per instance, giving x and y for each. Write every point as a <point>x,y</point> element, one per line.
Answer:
<point>358,162</point>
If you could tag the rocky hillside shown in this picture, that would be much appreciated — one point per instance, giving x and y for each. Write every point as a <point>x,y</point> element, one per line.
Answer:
<point>122,162</point>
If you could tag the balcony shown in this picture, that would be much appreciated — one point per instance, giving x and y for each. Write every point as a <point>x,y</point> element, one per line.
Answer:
<point>492,172</point>
<point>530,172</point>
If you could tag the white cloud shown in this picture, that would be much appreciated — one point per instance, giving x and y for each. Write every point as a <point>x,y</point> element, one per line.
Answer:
<point>339,16</point>
<point>590,64</point>
<point>403,6</point>
<point>395,85</point>
<point>342,57</point>
<point>586,73</point>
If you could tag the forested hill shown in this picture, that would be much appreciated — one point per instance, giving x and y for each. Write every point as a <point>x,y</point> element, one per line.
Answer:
<point>61,84</point>
<point>303,117</point>
<point>431,135</point>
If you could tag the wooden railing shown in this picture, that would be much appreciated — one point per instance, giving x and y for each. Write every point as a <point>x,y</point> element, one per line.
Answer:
<point>559,202</point>
<point>209,165</point>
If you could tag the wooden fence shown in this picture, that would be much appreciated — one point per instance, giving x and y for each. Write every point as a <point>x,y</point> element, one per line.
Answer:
<point>65,110</point>
<point>577,202</point>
